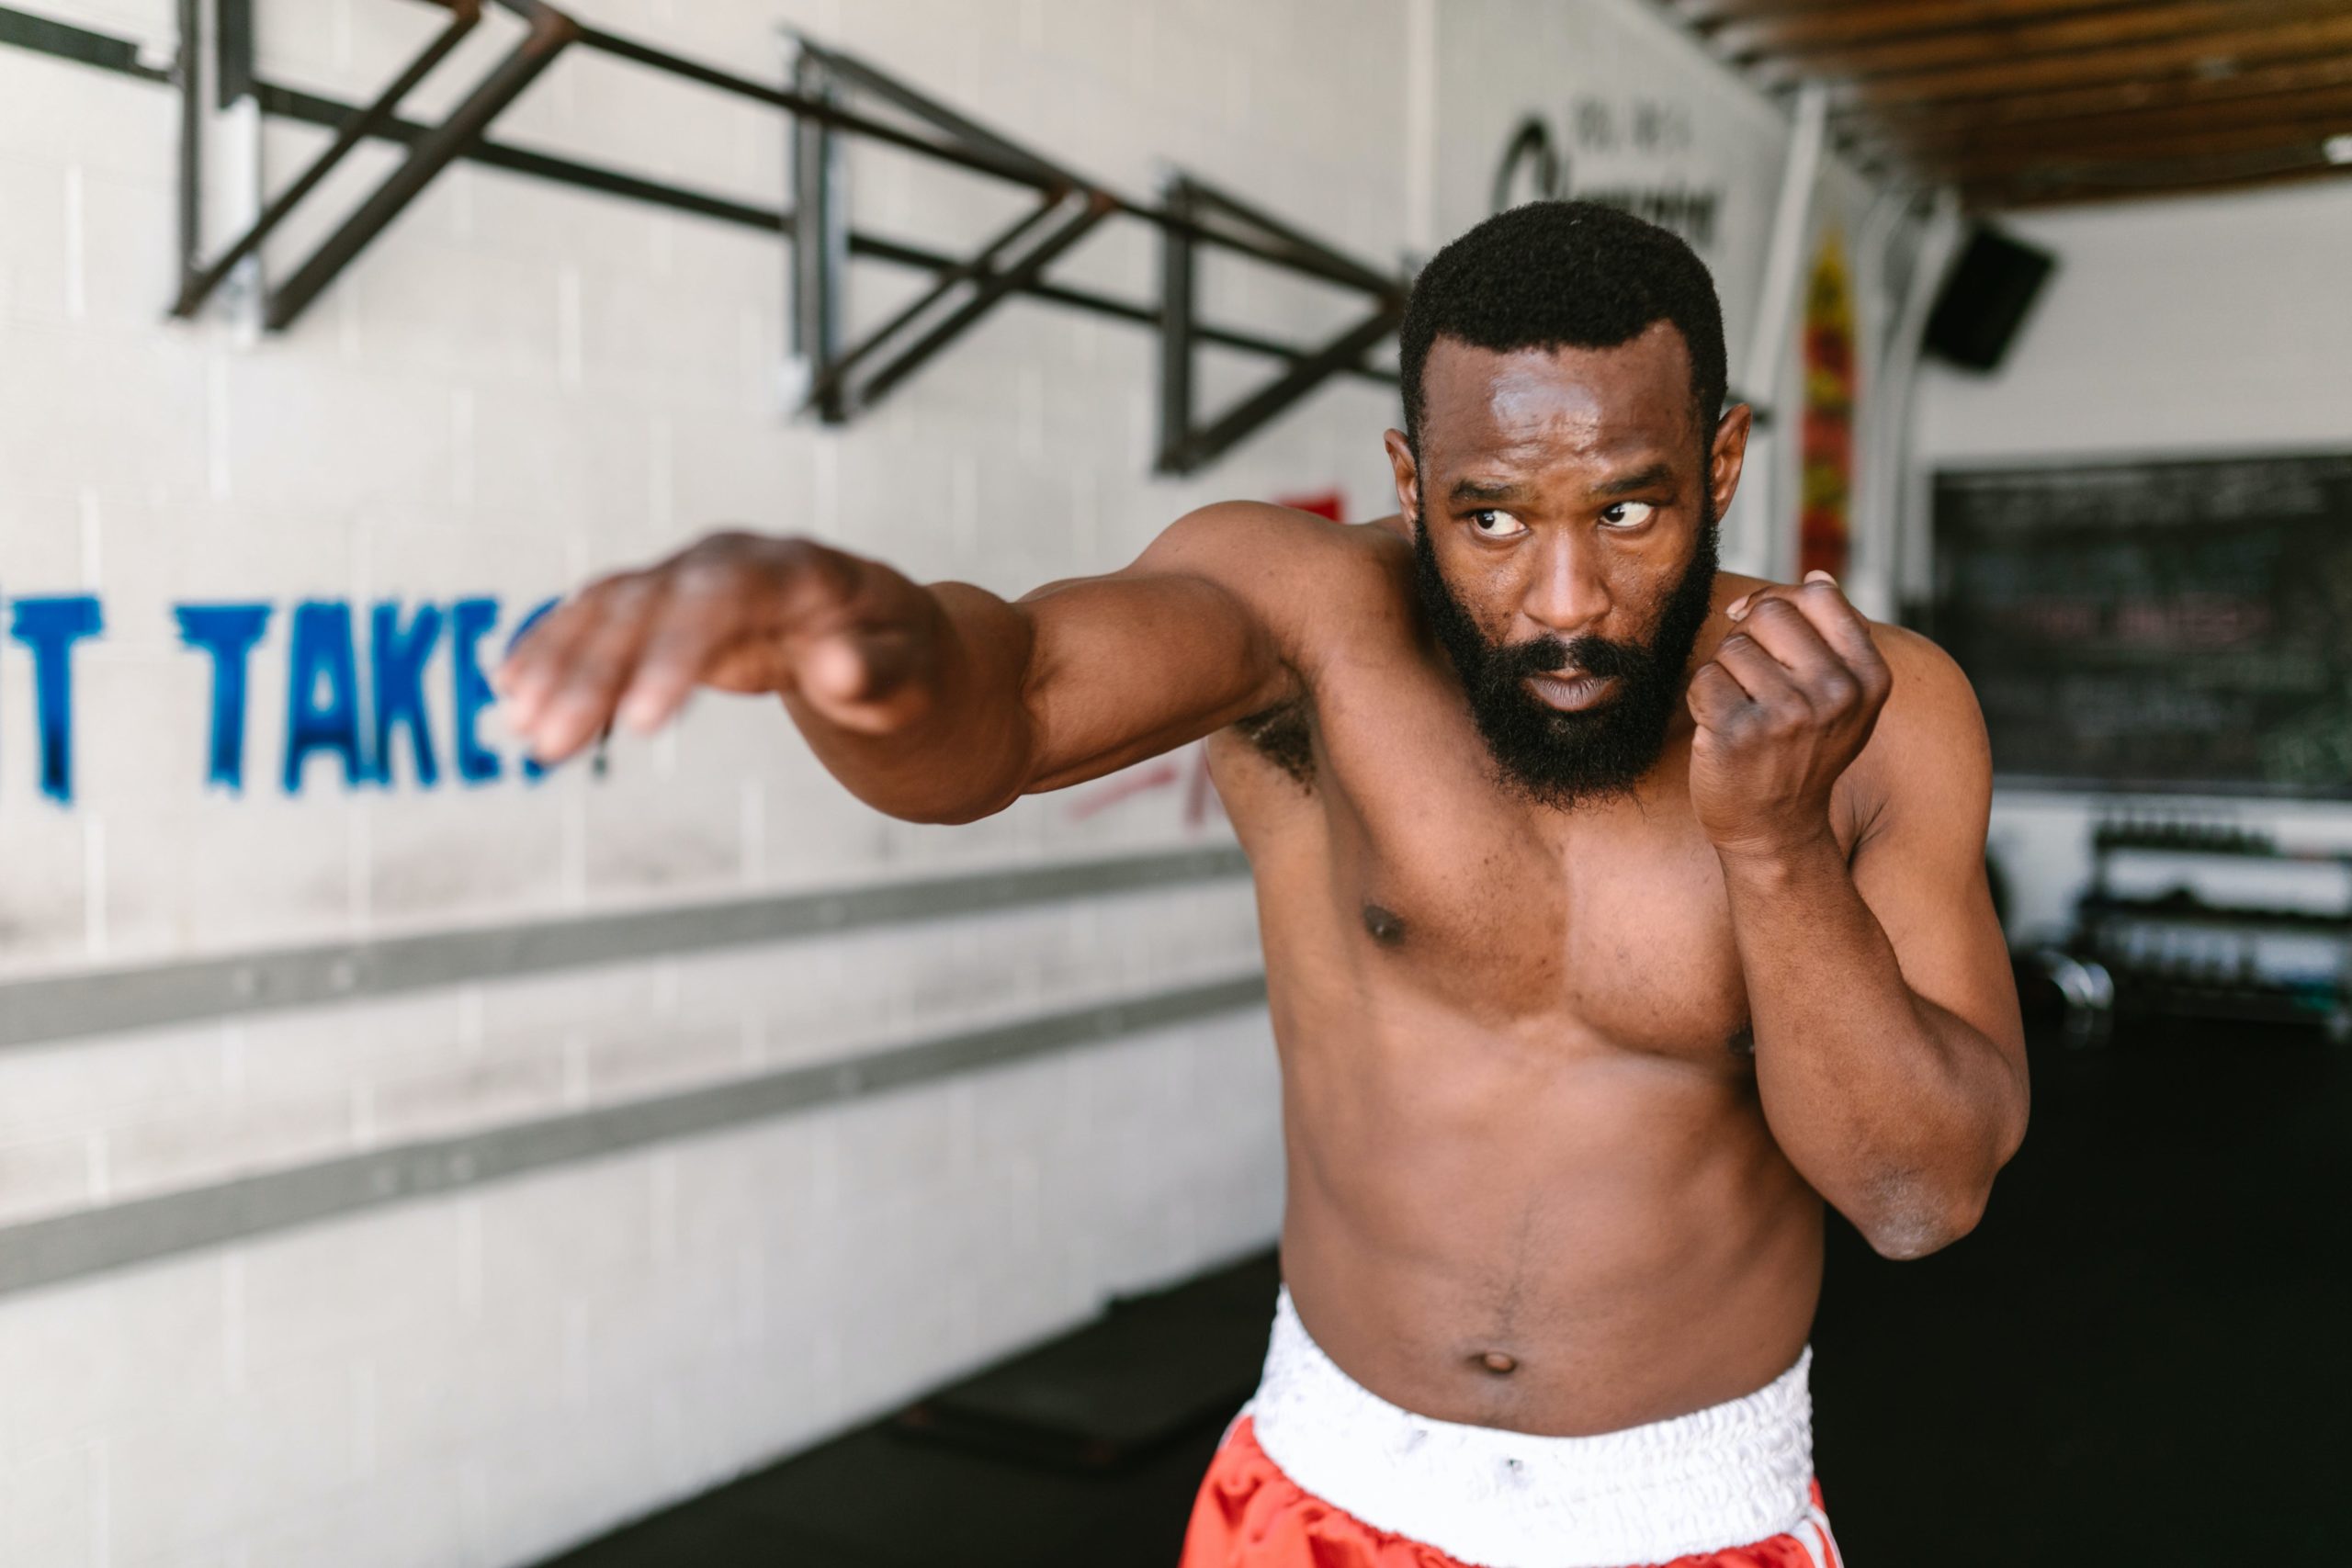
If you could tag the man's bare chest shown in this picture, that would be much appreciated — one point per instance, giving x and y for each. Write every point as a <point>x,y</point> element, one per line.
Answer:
<point>1396,868</point>
<point>1631,941</point>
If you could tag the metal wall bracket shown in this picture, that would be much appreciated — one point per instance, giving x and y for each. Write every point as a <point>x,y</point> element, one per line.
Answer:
<point>845,381</point>
<point>549,31</point>
<point>1198,212</point>
<point>820,241</point>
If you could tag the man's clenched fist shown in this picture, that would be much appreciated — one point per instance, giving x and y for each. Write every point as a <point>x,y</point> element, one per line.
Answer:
<point>1784,706</point>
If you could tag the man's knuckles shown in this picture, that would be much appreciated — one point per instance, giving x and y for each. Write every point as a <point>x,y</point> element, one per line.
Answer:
<point>1823,603</point>
<point>624,592</point>
<point>706,579</point>
<point>1834,693</point>
<point>1793,708</point>
<point>1787,628</point>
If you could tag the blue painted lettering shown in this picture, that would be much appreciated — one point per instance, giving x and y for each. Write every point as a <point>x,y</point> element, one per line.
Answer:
<point>319,720</point>
<point>397,660</point>
<point>50,627</point>
<point>226,632</point>
<point>470,621</point>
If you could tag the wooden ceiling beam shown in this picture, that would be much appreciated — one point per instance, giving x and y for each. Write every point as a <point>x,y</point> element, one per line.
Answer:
<point>1705,15</point>
<point>1997,197</point>
<point>2207,54</point>
<point>2291,143</point>
<point>2158,174</point>
<point>2119,98</point>
<point>2318,105</point>
<point>1804,32</point>
<point>2008,42</point>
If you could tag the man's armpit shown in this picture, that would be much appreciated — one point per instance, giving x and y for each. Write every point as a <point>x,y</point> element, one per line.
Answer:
<point>1285,736</point>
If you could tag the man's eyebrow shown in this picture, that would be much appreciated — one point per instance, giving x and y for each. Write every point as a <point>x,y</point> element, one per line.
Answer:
<point>1487,490</point>
<point>1650,477</point>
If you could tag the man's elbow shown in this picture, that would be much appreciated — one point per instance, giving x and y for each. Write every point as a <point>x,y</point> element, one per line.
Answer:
<point>1916,1231</point>
<point>960,813</point>
<point>1908,1216</point>
<point>943,795</point>
<point>941,803</point>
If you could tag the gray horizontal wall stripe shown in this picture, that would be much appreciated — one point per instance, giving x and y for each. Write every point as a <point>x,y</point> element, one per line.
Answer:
<point>62,1007</point>
<point>69,1247</point>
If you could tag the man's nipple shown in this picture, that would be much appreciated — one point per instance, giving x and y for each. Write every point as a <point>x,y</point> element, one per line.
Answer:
<point>1387,926</point>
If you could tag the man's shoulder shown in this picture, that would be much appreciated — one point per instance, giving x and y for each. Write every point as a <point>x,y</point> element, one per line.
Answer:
<point>1928,748</point>
<point>1930,691</point>
<point>1268,535</point>
<point>1297,570</point>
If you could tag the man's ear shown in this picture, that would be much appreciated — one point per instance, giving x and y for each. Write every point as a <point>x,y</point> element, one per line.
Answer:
<point>1727,456</point>
<point>1409,476</point>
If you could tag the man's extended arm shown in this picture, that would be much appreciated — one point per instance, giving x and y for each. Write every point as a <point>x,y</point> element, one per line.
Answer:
<point>938,704</point>
<point>1889,1055</point>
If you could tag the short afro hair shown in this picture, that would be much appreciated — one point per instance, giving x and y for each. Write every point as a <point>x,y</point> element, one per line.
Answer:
<point>1565,275</point>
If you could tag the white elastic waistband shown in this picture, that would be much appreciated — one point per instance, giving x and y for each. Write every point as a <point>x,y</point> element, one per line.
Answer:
<point>1729,1475</point>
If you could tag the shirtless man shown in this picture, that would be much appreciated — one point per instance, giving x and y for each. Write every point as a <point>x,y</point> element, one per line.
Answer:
<point>1617,911</point>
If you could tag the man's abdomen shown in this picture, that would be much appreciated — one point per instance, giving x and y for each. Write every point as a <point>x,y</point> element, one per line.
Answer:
<point>1561,1247</point>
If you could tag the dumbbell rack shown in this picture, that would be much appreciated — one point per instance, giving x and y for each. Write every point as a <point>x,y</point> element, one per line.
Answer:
<point>2179,956</point>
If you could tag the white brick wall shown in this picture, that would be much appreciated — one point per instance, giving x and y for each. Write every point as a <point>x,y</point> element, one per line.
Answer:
<point>511,1369</point>
<point>2171,328</point>
<point>91,1121</point>
<point>518,385</point>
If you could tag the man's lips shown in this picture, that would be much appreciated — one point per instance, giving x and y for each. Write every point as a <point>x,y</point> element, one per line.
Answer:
<point>1571,692</point>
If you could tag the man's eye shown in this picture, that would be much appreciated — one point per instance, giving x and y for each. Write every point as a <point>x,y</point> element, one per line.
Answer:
<point>1493,523</point>
<point>1628,514</point>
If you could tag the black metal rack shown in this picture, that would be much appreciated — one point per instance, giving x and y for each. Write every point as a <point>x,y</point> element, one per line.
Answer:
<point>2179,956</point>
<point>821,102</point>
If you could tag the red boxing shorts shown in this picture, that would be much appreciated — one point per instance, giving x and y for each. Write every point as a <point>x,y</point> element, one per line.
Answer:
<point>1318,1471</point>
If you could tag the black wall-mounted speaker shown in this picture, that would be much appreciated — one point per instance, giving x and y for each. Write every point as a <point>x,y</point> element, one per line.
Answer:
<point>1986,297</point>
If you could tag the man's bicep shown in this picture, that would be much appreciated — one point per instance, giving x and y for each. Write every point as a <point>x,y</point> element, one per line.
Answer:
<point>1921,865</point>
<point>1141,661</point>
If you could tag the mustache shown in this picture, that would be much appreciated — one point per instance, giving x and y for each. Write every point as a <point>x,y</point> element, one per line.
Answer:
<point>1543,655</point>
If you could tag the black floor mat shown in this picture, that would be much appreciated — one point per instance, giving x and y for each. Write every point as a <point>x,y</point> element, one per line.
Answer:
<point>1155,1369</point>
<point>1087,1450</point>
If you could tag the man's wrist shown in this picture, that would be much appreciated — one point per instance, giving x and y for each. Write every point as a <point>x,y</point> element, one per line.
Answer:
<point>1780,858</point>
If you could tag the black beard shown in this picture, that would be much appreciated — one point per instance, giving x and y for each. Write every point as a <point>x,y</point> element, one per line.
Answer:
<point>1560,759</point>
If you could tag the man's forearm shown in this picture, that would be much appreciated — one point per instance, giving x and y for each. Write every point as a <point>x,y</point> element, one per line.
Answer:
<point>1896,1112</point>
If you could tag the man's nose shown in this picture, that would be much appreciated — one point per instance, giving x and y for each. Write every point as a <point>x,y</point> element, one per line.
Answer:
<point>1568,595</point>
